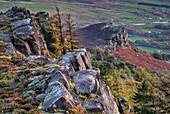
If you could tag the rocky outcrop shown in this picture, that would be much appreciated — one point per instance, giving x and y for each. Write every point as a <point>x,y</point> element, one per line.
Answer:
<point>65,87</point>
<point>120,39</point>
<point>23,34</point>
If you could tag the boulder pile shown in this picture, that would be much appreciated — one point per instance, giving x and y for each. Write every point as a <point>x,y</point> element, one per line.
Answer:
<point>73,83</point>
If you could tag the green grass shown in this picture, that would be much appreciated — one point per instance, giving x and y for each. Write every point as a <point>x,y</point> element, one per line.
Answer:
<point>138,38</point>
<point>150,49</point>
<point>123,14</point>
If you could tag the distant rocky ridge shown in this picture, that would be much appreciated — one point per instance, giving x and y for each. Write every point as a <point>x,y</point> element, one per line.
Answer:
<point>115,40</point>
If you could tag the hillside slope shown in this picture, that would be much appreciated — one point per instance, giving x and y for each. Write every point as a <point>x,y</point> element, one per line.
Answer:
<point>101,34</point>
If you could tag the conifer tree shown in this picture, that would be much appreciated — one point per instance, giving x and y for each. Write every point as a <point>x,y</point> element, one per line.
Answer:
<point>60,44</point>
<point>60,26</point>
<point>55,31</point>
<point>144,98</point>
<point>71,34</point>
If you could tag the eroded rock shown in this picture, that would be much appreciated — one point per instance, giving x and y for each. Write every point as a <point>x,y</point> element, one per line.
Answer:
<point>107,99</point>
<point>80,62</point>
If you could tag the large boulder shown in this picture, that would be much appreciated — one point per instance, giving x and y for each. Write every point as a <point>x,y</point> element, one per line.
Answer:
<point>33,58</point>
<point>86,82</point>
<point>92,106</point>
<point>57,97</point>
<point>66,60</point>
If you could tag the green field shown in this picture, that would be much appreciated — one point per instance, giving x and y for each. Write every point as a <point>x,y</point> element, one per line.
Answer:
<point>150,49</point>
<point>138,38</point>
<point>123,12</point>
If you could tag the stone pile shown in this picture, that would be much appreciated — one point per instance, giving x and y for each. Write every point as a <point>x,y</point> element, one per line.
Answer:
<point>76,81</point>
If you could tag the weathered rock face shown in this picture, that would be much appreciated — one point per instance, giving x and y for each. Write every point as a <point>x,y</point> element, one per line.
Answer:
<point>25,36</point>
<point>65,86</point>
<point>5,62</point>
<point>58,76</point>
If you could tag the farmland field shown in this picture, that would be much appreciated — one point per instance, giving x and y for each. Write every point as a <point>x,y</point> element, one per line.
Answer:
<point>150,49</point>
<point>126,13</point>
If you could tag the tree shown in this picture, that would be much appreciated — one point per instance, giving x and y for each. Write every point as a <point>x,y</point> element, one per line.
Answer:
<point>71,34</point>
<point>60,44</point>
<point>143,97</point>
<point>157,55</point>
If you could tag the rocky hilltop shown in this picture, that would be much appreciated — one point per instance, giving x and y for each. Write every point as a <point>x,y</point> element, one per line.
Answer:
<point>32,82</point>
<point>75,82</point>
<point>70,84</point>
<point>115,40</point>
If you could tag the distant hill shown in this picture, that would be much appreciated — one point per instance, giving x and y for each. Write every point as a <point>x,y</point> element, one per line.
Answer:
<point>100,35</point>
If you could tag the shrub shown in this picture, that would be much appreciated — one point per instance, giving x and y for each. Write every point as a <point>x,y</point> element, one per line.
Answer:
<point>157,55</point>
<point>27,107</point>
<point>3,84</point>
<point>20,111</point>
